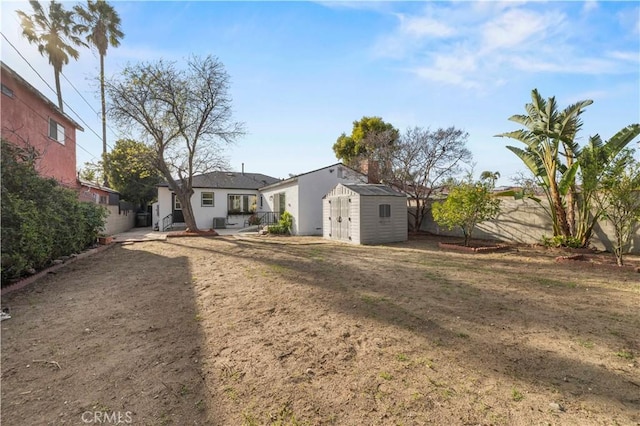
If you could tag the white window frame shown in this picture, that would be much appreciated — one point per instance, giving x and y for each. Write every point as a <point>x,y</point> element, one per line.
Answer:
<point>176,204</point>
<point>56,131</point>
<point>204,202</point>
<point>246,204</point>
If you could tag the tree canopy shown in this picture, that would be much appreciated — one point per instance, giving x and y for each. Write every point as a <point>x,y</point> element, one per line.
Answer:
<point>55,33</point>
<point>183,114</point>
<point>368,136</point>
<point>423,161</point>
<point>131,171</point>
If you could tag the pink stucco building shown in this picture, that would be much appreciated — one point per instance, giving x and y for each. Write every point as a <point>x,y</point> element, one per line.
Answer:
<point>30,118</point>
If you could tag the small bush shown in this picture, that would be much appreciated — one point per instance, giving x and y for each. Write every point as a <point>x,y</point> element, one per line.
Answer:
<point>283,226</point>
<point>561,241</point>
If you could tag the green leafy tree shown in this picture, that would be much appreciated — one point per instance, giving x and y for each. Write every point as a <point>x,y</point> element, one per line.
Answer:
<point>618,197</point>
<point>596,160</point>
<point>547,131</point>
<point>92,172</point>
<point>371,138</point>
<point>132,171</point>
<point>183,115</point>
<point>55,33</point>
<point>468,204</point>
<point>567,174</point>
<point>102,25</point>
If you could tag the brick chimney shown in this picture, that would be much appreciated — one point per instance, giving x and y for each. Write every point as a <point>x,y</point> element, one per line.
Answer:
<point>371,168</point>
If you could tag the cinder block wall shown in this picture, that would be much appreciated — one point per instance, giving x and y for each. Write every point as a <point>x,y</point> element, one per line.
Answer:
<point>119,222</point>
<point>525,221</point>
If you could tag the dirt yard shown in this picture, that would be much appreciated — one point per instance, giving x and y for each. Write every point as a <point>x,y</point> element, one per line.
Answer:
<point>295,331</point>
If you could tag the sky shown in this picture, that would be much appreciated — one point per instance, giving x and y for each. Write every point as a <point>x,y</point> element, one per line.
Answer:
<point>302,72</point>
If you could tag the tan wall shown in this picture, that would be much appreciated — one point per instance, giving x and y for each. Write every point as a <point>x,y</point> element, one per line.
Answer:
<point>119,222</point>
<point>525,221</point>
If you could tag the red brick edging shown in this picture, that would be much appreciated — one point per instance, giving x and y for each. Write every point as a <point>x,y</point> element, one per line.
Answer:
<point>33,278</point>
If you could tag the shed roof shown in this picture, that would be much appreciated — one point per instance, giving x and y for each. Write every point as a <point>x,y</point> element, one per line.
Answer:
<point>231,180</point>
<point>370,189</point>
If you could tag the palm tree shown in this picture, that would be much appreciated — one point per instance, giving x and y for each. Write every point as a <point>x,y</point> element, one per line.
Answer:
<point>103,26</point>
<point>55,33</point>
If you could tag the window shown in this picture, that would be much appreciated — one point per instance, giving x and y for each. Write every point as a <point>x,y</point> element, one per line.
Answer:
<point>7,91</point>
<point>385,210</point>
<point>103,199</point>
<point>206,199</point>
<point>242,204</point>
<point>279,202</point>
<point>176,203</point>
<point>56,131</point>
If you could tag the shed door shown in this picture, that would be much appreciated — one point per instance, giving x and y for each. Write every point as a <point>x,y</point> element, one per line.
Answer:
<point>340,218</point>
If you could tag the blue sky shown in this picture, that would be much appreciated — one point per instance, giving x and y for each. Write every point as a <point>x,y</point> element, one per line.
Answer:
<point>302,72</point>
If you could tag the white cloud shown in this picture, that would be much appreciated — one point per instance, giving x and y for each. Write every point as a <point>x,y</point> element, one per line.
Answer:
<point>487,44</point>
<point>589,6</point>
<point>457,69</point>
<point>625,56</point>
<point>423,26</point>
<point>516,27</point>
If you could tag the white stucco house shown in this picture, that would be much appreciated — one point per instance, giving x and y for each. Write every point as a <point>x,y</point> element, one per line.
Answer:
<point>301,195</point>
<point>229,199</point>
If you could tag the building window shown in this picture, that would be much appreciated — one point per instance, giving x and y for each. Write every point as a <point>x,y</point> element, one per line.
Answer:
<point>56,131</point>
<point>103,199</point>
<point>206,199</point>
<point>176,204</point>
<point>384,210</point>
<point>242,204</point>
<point>280,202</point>
<point>7,91</point>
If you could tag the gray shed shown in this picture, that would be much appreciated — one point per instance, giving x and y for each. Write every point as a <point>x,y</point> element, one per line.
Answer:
<point>362,213</point>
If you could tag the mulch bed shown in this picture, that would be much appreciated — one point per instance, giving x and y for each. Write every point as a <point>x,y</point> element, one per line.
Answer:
<point>208,233</point>
<point>473,248</point>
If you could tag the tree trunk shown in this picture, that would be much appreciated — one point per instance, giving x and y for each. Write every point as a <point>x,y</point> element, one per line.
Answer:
<point>105,166</point>
<point>56,74</point>
<point>561,214</point>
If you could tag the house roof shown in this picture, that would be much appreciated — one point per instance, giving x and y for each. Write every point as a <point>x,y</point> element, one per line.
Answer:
<point>96,186</point>
<point>370,189</point>
<point>295,178</point>
<point>231,180</point>
<point>39,94</point>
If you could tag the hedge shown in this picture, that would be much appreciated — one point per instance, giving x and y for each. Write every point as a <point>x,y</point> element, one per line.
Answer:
<point>41,220</point>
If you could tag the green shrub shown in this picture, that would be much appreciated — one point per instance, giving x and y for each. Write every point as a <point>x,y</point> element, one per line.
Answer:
<point>283,226</point>
<point>41,220</point>
<point>561,241</point>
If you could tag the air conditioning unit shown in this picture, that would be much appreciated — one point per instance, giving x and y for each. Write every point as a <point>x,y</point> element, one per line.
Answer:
<point>219,222</point>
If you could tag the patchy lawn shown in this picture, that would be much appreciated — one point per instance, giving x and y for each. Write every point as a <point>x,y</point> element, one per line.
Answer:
<point>225,331</point>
